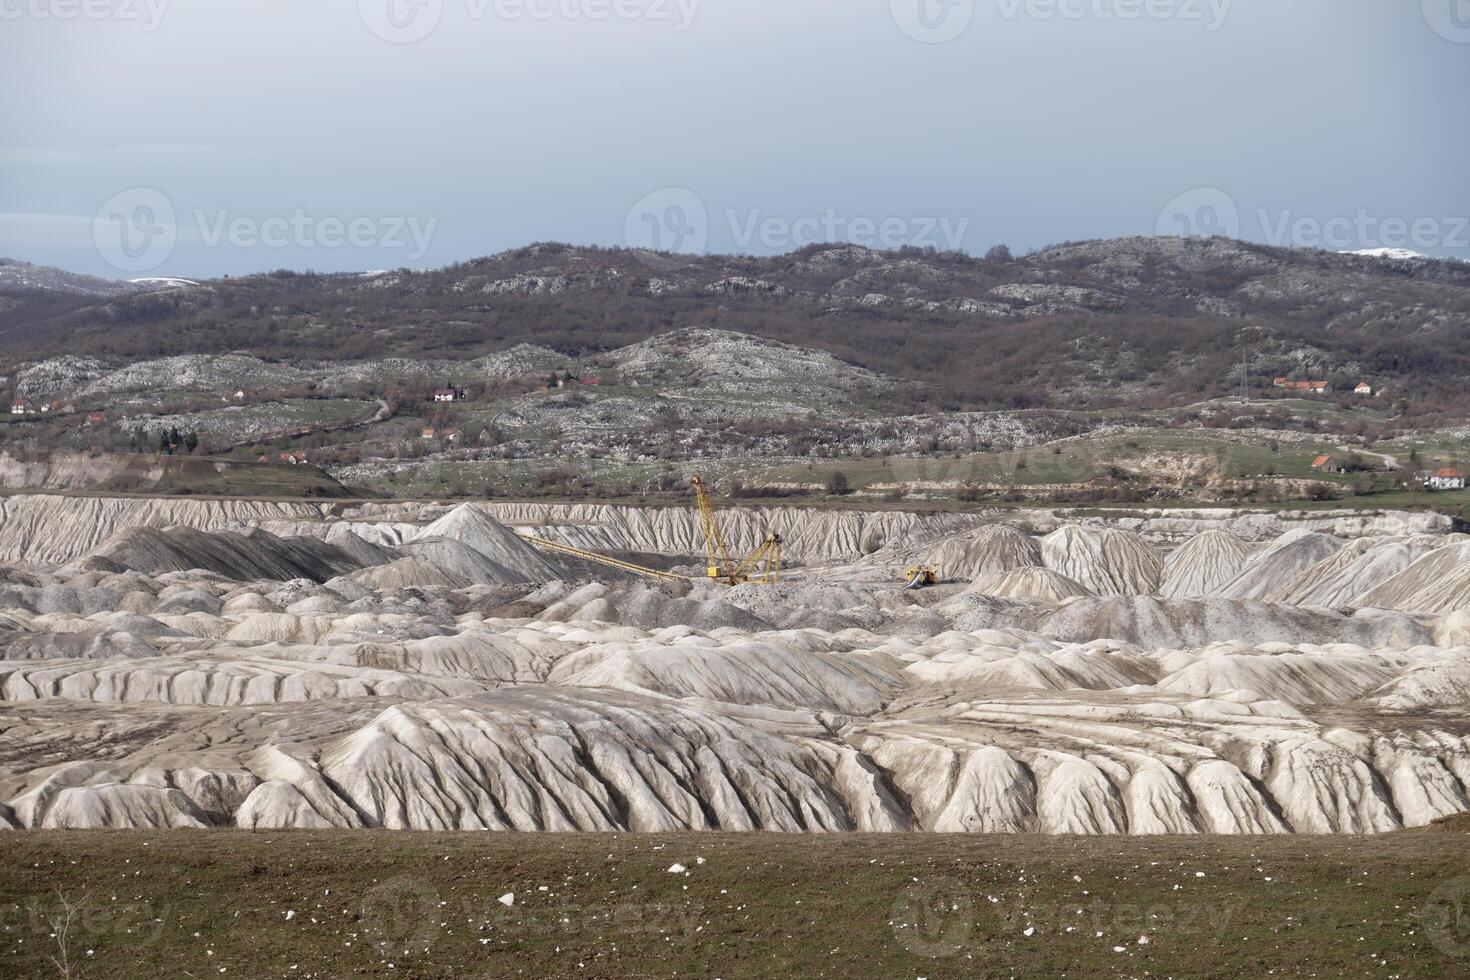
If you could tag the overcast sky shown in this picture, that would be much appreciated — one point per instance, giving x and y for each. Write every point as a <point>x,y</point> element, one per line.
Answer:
<point>203,137</point>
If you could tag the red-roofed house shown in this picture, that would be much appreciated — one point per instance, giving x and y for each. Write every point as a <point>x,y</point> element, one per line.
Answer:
<point>1310,387</point>
<point>1448,478</point>
<point>22,406</point>
<point>1327,464</point>
<point>446,394</point>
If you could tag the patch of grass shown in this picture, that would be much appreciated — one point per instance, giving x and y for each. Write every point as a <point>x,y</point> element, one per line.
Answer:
<point>1069,461</point>
<point>206,476</point>
<point>423,905</point>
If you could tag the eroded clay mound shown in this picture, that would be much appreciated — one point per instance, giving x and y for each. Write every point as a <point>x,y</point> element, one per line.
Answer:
<point>990,549</point>
<point>422,666</point>
<point>1041,584</point>
<point>773,670</point>
<point>1270,572</point>
<point>242,556</point>
<point>1156,623</point>
<point>1203,565</point>
<point>1439,582</point>
<point>1104,561</point>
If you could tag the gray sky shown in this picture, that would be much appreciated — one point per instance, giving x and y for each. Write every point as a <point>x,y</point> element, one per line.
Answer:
<point>201,137</point>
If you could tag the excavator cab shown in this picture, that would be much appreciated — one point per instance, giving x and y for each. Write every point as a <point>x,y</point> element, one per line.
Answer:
<point>921,576</point>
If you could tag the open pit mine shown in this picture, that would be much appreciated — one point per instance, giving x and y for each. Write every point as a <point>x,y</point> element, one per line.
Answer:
<point>201,663</point>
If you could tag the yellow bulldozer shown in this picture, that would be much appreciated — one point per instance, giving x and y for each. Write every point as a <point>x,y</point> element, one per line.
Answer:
<point>921,576</point>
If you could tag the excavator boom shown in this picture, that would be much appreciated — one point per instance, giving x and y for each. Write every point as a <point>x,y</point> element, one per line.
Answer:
<point>716,552</point>
<point>767,558</point>
<point>762,566</point>
<point>627,566</point>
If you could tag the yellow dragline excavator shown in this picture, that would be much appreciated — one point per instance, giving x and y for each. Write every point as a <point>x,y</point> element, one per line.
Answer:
<point>761,567</point>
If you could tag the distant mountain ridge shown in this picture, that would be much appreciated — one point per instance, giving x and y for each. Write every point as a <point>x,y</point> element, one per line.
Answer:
<point>1123,321</point>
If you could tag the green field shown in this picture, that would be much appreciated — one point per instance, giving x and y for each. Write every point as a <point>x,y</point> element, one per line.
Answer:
<point>758,905</point>
<point>1069,461</point>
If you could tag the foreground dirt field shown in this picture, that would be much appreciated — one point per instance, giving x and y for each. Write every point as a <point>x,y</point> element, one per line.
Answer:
<point>298,904</point>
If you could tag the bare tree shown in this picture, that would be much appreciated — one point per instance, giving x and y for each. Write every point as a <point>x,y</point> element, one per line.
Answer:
<point>61,922</point>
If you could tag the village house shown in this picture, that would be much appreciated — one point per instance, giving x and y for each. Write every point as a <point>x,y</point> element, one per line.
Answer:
<point>22,406</point>
<point>1310,387</point>
<point>1363,388</point>
<point>96,418</point>
<point>295,459</point>
<point>1328,464</point>
<point>448,435</point>
<point>1448,478</point>
<point>447,394</point>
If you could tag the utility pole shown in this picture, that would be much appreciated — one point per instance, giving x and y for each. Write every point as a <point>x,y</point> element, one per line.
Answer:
<point>1245,382</point>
